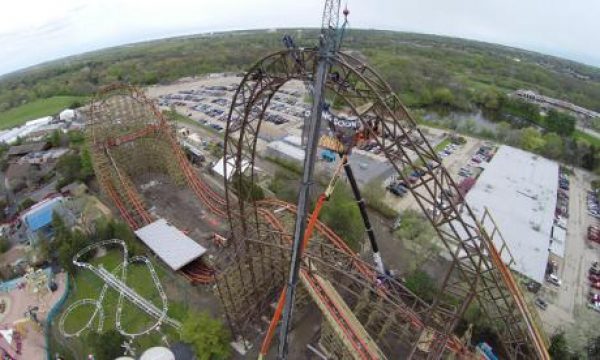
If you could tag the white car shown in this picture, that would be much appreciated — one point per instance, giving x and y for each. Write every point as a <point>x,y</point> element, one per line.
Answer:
<point>553,279</point>
<point>594,306</point>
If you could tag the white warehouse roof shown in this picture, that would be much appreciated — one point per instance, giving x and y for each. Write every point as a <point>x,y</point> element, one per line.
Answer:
<point>519,188</point>
<point>231,167</point>
<point>170,244</point>
<point>286,150</point>
<point>557,244</point>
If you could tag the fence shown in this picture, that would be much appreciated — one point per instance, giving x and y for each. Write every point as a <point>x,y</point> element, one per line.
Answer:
<point>52,314</point>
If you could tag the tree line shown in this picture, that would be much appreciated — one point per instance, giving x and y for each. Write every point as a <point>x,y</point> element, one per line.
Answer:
<point>425,70</point>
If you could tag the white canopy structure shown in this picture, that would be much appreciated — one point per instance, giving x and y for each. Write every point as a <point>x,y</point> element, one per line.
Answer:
<point>170,244</point>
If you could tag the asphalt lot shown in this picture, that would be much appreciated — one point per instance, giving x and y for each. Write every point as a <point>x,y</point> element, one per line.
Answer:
<point>567,304</point>
<point>453,162</point>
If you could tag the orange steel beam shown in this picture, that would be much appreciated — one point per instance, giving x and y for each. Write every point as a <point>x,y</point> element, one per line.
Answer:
<point>216,204</point>
<point>148,130</point>
<point>520,300</point>
<point>266,344</point>
<point>338,315</point>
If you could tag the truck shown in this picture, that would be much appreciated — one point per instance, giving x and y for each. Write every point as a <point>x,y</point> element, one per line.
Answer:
<point>328,155</point>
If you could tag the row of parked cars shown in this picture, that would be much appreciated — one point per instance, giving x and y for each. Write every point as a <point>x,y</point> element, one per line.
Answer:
<point>594,277</point>
<point>594,233</point>
<point>593,204</point>
<point>562,200</point>
<point>290,108</point>
<point>448,150</point>
<point>484,153</point>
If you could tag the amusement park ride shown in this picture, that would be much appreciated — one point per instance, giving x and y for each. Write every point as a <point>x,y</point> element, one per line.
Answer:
<point>275,245</point>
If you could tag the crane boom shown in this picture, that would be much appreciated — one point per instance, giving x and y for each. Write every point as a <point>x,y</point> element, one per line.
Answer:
<point>327,48</point>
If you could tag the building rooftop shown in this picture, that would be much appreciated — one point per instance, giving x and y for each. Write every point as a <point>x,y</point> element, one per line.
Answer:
<point>519,188</point>
<point>557,243</point>
<point>40,214</point>
<point>287,150</point>
<point>174,247</point>
<point>24,149</point>
<point>231,167</point>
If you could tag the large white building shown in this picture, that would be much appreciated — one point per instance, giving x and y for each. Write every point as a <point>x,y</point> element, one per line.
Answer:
<point>519,188</point>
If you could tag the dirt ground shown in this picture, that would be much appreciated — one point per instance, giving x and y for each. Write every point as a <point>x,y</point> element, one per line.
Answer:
<point>180,206</point>
<point>19,300</point>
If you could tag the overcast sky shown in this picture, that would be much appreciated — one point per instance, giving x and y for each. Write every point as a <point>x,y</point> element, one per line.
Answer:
<point>34,31</point>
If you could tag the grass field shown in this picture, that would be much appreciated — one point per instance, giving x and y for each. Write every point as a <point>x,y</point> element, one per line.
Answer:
<point>36,109</point>
<point>87,285</point>
<point>578,134</point>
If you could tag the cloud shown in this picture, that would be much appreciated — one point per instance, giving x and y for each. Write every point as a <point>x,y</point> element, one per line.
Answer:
<point>33,31</point>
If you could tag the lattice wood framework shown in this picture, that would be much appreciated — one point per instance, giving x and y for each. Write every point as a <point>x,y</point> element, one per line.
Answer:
<point>477,270</point>
<point>128,136</point>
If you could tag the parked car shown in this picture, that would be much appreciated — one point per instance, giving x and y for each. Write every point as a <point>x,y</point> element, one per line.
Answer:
<point>541,303</point>
<point>594,306</point>
<point>397,189</point>
<point>554,280</point>
<point>595,269</point>
<point>533,286</point>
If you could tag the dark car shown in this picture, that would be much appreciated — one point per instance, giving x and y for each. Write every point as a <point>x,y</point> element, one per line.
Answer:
<point>397,189</point>
<point>541,303</point>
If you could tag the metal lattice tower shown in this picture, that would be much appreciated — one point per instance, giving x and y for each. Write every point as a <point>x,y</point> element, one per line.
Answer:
<point>477,270</point>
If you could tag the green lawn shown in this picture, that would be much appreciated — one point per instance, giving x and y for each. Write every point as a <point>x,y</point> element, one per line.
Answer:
<point>87,285</point>
<point>36,109</point>
<point>442,145</point>
<point>578,134</point>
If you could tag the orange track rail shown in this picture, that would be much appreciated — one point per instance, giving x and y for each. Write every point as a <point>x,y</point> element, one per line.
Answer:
<point>200,273</point>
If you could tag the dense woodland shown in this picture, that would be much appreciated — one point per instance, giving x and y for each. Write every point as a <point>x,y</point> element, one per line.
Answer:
<point>419,67</point>
<point>429,73</point>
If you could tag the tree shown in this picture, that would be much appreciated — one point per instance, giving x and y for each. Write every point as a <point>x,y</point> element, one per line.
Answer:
<point>420,283</point>
<point>76,138</point>
<point>342,215</point>
<point>208,336</point>
<point>87,169</point>
<point>553,145</point>
<point>560,123</point>
<point>105,346</point>
<point>42,248</point>
<point>284,186</point>
<point>246,188</point>
<point>531,139</point>
<point>503,130</point>
<point>68,243</point>
<point>69,167</point>
<point>443,97</point>
<point>26,203</point>
<point>415,227</point>
<point>558,347</point>
<point>4,244</point>
<point>55,138</point>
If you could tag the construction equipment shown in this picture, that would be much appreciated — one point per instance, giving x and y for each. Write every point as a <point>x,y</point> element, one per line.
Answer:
<point>328,45</point>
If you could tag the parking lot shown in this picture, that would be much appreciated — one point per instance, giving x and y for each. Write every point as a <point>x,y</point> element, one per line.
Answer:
<point>208,101</point>
<point>568,308</point>
<point>459,157</point>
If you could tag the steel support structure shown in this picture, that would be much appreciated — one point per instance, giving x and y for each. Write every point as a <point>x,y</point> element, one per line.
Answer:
<point>477,270</point>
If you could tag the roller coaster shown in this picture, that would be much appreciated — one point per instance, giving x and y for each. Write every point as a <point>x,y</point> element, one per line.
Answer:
<point>367,314</point>
<point>125,292</point>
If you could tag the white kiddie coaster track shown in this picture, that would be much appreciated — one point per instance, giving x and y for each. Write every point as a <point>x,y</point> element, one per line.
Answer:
<point>120,286</point>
